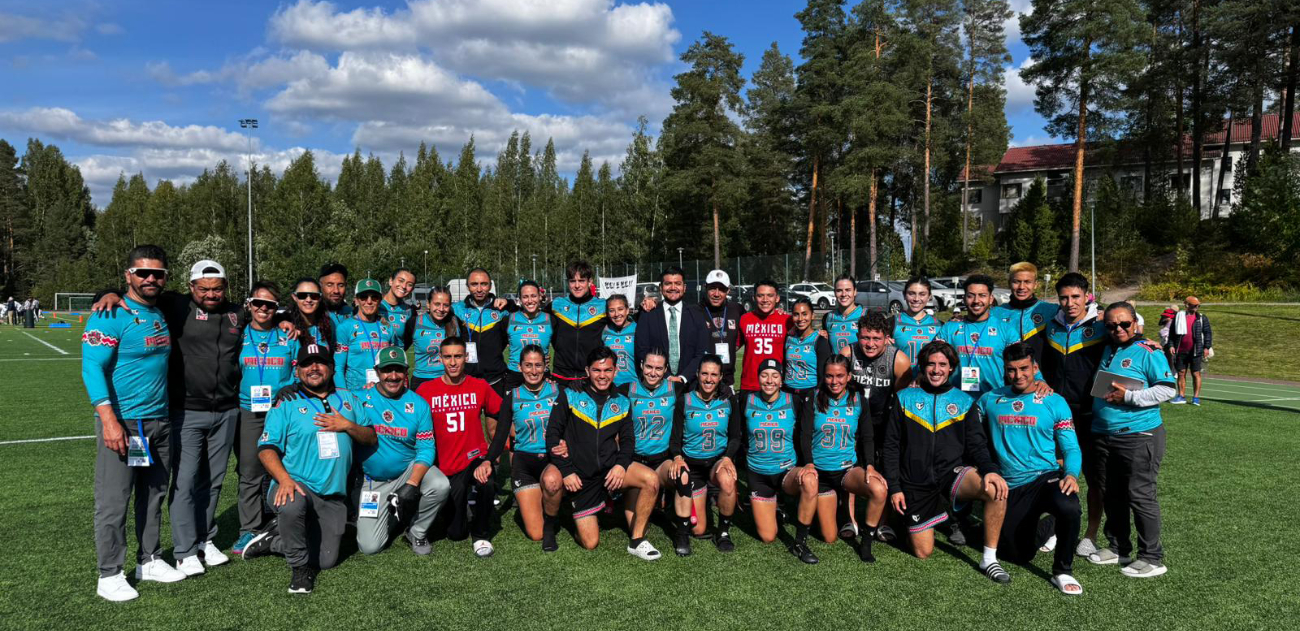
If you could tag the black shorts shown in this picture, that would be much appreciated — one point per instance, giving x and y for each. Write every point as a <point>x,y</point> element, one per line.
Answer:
<point>1185,361</point>
<point>801,394</point>
<point>526,470</point>
<point>764,487</point>
<point>830,482</point>
<point>590,499</point>
<point>701,471</point>
<point>927,506</point>
<point>653,460</point>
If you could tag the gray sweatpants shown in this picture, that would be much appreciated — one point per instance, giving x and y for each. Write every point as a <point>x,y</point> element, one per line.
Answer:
<point>203,440</point>
<point>114,483</point>
<point>373,533</point>
<point>253,480</point>
<point>311,529</point>
<point>1127,467</point>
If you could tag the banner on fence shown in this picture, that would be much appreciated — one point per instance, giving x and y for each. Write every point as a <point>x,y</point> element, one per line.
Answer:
<point>625,285</point>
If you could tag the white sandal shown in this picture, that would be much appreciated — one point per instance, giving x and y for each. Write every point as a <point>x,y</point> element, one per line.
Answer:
<point>1064,582</point>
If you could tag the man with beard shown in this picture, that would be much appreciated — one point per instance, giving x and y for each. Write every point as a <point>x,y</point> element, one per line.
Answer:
<point>334,286</point>
<point>676,327</point>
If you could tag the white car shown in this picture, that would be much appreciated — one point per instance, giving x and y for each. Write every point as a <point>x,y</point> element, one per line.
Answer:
<point>820,294</point>
<point>953,294</point>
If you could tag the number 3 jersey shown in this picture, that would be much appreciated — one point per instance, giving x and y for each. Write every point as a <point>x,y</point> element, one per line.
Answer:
<point>700,429</point>
<point>457,413</point>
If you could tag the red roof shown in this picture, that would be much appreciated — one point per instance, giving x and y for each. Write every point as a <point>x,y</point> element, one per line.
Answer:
<point>1268,129</point>
<point>982,172</point>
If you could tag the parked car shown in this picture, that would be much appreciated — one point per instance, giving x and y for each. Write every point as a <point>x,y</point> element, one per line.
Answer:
<point>1001,295</point>
<point>742,295</point>
<point>646,289</point>
<point>886,296</point>
<point>820,294</point>
<point>946,295</point>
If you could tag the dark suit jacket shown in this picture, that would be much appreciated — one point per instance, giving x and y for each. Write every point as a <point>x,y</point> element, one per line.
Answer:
<point>693,336</point>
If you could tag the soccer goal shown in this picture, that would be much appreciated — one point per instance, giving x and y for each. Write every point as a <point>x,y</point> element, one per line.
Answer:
<point>66,302</point>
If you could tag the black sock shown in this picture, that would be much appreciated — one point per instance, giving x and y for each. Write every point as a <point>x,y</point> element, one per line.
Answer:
<point>636,541</point>
<point>548,524</point>
<point>724,523</point>
<point>800,533</point>
<point>683,525</point>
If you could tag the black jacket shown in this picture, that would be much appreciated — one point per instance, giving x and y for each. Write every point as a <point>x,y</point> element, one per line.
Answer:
<point>692,336</point>
<point>930,432</point>
<point>604,438</point>
<point>724,328</point>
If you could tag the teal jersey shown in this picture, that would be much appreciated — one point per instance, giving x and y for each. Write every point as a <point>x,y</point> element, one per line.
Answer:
<point>343,314</point>
<point>700,429</point>
<point>427,341</point>
<point>397,316</point>
<point>910,334</point>
<point>124,357</point>
<point>623,343</point>
<point>1027,432</point>
<point>523,331</point>
<point>1142,360</point>
<point>801,361</point>
<point>267,358</point>
<point>529,413</point>
<point>835,434</point>
<point>356,350</point>
<point>404,427</point>
<point>653,411</point>
<point>315,461</point>
<point>842,328</point>
<point>979,344</point>
<point>770,431</point>
<point>1028,322</point>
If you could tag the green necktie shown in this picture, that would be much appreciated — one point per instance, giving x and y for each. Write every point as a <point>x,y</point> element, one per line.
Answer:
<point>674,346</point>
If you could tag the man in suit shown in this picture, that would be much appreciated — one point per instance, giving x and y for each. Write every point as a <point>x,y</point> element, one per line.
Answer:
<point>676,327</point>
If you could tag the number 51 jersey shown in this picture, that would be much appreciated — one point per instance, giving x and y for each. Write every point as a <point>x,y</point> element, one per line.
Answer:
<point>458,420</point>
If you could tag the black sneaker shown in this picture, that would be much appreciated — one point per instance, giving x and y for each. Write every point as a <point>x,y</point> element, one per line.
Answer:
<point>419,545</point>
<point>955,535</point>
<point>864,551</point>
<point>303,581</point>
<point>261,543</point>
<point>682,544</point>
<point>802,551</point>
<point>724,542</point>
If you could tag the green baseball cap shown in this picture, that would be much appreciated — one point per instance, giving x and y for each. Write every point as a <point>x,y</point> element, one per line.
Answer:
<point>368,284</point>
<point>391,356</point>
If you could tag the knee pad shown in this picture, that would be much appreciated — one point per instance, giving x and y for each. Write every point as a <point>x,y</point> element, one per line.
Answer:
<point>683,487</point>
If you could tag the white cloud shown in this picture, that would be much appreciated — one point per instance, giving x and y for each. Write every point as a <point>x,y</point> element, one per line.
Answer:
<point>1033,140</point>
<point>247,74</point>
<point>66,124</point>
<point>1012,25</point>
<point>1020,95</point>
<point>68,26</point>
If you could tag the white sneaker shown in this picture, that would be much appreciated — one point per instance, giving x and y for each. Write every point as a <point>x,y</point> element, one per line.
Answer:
<point>212,555</point>
<point>1086,547</point>
<point>115,588</point>
<point>190,565</point>
<point>483,548</point>
<point>158,570</point>
<point>644,550</point>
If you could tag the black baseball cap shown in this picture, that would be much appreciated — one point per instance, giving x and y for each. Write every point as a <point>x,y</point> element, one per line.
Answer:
<point>313,352</point>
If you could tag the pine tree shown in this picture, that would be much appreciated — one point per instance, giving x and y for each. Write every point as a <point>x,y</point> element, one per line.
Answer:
<point>817,98</point>
<point>768,149</point>
<point>986,126</point>
<point>14,219</point>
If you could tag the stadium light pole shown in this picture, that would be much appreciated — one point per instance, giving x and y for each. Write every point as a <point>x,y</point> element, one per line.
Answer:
<point>534,268</point>
<point>426,266</point>
<point>249,124</point>
<point>679,257</point>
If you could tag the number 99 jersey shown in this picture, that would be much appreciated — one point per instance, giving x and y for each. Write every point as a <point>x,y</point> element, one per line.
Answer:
<point>653,412</point>
<point>770,432</point>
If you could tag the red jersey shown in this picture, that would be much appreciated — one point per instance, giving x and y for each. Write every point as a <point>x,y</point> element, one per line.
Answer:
<point>458,420</point>
<point>762,337</point>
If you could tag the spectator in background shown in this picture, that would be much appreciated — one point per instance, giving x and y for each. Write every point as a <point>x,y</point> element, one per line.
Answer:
<point>1166,325</point>
<point>1191,341</point>
<point>11,311</point>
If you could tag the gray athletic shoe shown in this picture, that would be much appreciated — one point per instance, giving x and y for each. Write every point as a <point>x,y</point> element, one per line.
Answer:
<point>1144,569</point>
<point>1106,556</point>
<point>420,545</point>
<point>1086,547</point>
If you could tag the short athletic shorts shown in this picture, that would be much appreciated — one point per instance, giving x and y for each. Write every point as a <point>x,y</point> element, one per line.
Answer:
<point>927,506</point>
<point>1185,361</point>
<point>590,499</point>
<point>830,482</point>
<point>526,470</point>
<point>701,471</point>
<point>653,460</point>
<point>764,487</point>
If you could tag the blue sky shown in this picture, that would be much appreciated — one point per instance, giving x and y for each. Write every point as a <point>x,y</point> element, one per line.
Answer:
<point>158,87</point>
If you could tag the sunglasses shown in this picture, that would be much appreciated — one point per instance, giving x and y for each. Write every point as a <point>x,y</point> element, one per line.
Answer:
<point>368,297</point>
<point>307,295</point>
<point>261,303</point>
<point>1115,326</point>
<point>144,273</point>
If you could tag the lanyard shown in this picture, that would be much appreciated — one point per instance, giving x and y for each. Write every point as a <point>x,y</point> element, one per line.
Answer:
<point>374,351</point>
<point>321,407</point>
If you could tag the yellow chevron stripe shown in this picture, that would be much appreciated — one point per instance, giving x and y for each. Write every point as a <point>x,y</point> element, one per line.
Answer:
<point>560,315</point>
<point>597,424</point>
<point>582,416</point>
<point>933,428</point>
<point>1083,345</point>
<point>594,319</point>
<point>483,328</point>
<point>1060,349</point>
<point>613,419</point>
<point>1035,331</point>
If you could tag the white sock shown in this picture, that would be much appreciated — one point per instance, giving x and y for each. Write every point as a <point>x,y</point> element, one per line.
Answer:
<point>990,556</point>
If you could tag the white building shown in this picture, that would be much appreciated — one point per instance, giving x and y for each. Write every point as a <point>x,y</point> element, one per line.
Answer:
<point>995,189</point>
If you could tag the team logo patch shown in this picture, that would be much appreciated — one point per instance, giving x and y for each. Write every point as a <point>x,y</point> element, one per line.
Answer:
<point>262,347</point>
<point>920,405</point>
<point>952,408</point>
<point>974,338</point>
<point>96,338</point>
<point>1038,318</point>
<point>302,410</point>
<point>234,318</point>
<point>591,311</point>
<point>496,315</point>
<point>347,406</point>
<point>769,417</point>
<point>157,325</point>
<point>708,416</point>
<point>1126,363</point>
<point>374,335</point>
<point>410,408</point>
<point>993,331</point>
<point>1087,333</point>
<point>201,315</point>
<point>388,416</point>
<point>264,437</point>
<point>1018,406</point>
<point>613,407</point>
<point>138,320</point>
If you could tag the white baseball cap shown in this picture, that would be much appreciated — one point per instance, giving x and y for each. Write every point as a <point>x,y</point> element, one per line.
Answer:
<point>717,277</point>
<point>207,268</point>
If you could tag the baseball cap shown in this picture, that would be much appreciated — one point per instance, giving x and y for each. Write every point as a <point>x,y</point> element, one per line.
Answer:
<point>1193,300</point>
<point>717,277</point>
<point>207,268</point>
<point>391,356</point>
<point>769,364</point>
<point>368,284</point>
<point>309,353</point>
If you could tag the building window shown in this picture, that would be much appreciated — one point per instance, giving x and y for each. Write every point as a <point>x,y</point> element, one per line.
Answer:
<point>1187,182</point>
<point>1225,196</point>
<point>975,197</point>
<point>1131,184</point>
<point>1011,191</point>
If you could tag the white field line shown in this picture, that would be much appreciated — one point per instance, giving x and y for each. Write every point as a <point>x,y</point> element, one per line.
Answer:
<point>39,359</point>
<point>61,351</point>
<point>1261,383</point>
<point>43,440</point>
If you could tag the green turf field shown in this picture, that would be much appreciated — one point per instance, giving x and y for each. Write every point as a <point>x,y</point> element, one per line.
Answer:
<point>1225,498</point>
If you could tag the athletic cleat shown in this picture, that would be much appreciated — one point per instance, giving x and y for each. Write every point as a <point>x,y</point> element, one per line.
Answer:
<point>644,550</point>
<point>303,580</point>
<point>241,542</point>
<point>801,550</point>
<point>885,534</point>
<point>682,544</point>
<point>1178,400</point>
<point>483,549</point>
<point>115,588</point>
<point>849,530</point>
<point>1196,401</point>
<point>723,541</point>
<point>419,545</point>
<point>158,570</point>
<point>1106,556</point>
<point>212,555</point>
<point>996,574</point>
<point>1144,569</point>
<point>261,543</point>
<point>190,566</point>
<point>1085,548</point>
